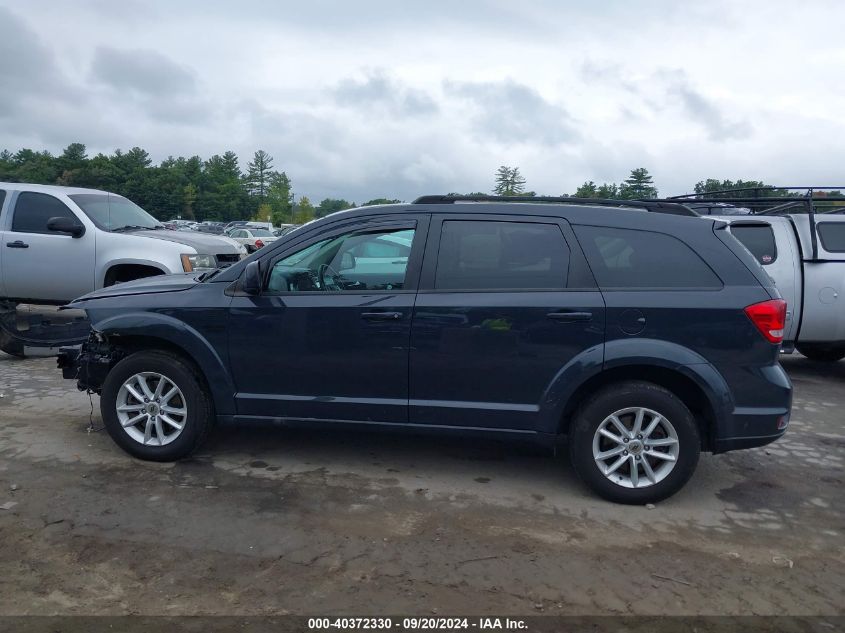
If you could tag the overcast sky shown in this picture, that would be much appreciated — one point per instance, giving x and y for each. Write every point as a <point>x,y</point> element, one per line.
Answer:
<point>398,98</point>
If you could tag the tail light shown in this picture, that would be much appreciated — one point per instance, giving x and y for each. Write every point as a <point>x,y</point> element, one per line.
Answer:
<point>259,244</point>
<point>769,317</point>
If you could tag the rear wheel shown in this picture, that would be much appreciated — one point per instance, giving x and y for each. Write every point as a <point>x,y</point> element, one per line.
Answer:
<point>155,406</point>
<point>822,353</point>
<point>634,442</point>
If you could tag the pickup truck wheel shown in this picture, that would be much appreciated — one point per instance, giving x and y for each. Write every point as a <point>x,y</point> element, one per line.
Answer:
<point>822,353</point>
<point>155,406</point>
<point>634,442</point>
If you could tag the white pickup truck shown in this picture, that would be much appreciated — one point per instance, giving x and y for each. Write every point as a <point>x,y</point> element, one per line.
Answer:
<point>58,243</point>
<point>803,251</point>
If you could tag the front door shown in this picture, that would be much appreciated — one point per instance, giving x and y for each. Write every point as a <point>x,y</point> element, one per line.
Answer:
<point>504,305</point>
<point>328,337</point>
<point>40,264</point>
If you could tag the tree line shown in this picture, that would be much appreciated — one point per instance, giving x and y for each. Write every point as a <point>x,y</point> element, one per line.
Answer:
<point>214,189</point>
<point>219,189</point>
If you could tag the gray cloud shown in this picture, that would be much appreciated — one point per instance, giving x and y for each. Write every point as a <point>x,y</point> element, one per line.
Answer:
<point>27,67</point>
<point>511,112</point>
<point>718,125</point>
<point>142,71</point>
<point>379,90</point>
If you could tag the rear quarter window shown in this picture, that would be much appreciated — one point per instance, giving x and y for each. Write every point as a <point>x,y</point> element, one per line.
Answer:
<point>635,259</point>
<point>759,239</point>
<point>832,235</point>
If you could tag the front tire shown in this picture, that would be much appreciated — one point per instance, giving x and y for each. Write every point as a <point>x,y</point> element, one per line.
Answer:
<point>155,406</point>
<point>634,443</point>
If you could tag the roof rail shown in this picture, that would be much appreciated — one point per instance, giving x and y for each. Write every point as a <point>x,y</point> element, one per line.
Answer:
<point>656,206</point>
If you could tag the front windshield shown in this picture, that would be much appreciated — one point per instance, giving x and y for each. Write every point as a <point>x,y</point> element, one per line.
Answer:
<point>109,211</point>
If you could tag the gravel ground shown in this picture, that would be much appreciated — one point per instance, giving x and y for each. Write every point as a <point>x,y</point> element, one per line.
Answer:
<point>272,521</point>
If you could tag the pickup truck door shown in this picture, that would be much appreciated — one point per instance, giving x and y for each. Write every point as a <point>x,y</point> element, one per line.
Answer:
<point>38,264</point>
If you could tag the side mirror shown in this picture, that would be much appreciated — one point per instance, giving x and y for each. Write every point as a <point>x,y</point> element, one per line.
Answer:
<point>66,225</point>
<point>252,279</point>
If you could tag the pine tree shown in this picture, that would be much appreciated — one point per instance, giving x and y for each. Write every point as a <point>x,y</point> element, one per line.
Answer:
<point>509,182</point>
<point>638,185</point>
<point>258,174</point>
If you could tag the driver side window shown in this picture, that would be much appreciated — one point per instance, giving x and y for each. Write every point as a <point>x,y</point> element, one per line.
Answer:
<point>352,262</point>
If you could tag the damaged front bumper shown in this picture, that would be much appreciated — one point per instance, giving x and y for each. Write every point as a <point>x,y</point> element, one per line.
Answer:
<point>88,364</point>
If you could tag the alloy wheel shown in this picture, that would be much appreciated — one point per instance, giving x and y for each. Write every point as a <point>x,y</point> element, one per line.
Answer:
<point>635,447</point>
<point>151,409</point>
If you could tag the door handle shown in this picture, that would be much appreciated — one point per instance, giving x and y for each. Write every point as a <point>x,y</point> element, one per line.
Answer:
<point>570,317</point>
<point>17,244</point>
<point>381,316</point>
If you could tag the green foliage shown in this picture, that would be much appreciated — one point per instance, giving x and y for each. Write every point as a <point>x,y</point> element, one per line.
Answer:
<point>638,185</point>
<point>714,185</point>
<point>374,201</point>
<point>303,211</point>
<point>280,198</point>
<point>509,182</point>
<point>259,172</point>
<point>331,205</point>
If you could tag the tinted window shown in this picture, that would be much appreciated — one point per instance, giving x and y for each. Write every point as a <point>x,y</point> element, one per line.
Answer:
<point>832,235</point>
<point>759,240</point>
<point>33,210</point>
<point>623,258</point>
<point>477,255</point>
<point>110,211</point>
<point>353,261</point>
<point>2,199</point>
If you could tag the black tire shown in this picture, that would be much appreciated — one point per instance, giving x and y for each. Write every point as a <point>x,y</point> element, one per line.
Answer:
<point>616,397</point>
<point>200,410</point>
<point>822,353</point>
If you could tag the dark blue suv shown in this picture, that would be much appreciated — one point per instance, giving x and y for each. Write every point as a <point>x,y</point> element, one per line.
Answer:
<point>643,332</point>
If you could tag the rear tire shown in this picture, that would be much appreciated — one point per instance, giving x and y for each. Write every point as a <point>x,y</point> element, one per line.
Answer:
<point>649,462</point>
<point>822,353</point>
<point>161,434</point>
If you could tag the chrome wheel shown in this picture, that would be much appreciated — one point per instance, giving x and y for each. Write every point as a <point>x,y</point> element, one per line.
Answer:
<point>635,447</point>
<point>151,409</point>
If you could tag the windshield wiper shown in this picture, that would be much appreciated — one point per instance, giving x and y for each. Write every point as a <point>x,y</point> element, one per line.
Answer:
<point>129,227</point>
<point>208,274</point>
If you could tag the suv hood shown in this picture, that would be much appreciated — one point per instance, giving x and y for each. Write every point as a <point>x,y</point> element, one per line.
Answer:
<point>204,243</point>
<point>147,285</point>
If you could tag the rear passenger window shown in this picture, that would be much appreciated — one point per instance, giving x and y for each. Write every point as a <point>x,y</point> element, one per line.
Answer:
<point>477,255</point>
<point>33,210</point>
<point>832,235</point>
<point>759,239</point>
<point>625,258</point>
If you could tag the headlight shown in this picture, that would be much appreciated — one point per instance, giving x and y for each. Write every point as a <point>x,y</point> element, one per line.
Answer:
<point>191,263</point>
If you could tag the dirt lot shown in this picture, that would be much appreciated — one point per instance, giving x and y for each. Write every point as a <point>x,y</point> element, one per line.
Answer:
<point>269,521</point>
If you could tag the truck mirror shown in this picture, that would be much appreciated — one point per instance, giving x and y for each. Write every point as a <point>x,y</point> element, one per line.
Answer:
<point>66,225</point>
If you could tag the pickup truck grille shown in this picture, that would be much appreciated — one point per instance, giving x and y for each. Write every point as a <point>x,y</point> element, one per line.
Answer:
<point>228,259</point>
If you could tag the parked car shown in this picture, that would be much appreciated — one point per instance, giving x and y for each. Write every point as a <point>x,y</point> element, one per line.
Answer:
<point>285,229</point>
<point>215,228</point>
<point>61,242</point>
<point>251,238</point>
<point>644,335</point>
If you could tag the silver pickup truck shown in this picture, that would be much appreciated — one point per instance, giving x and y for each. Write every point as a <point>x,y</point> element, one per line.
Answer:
<point>58,243</point>
<point>802,247</point>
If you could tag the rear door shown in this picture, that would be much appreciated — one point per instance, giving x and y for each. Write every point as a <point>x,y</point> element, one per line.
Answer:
<point>40,264</point>
<point>505,302</point>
